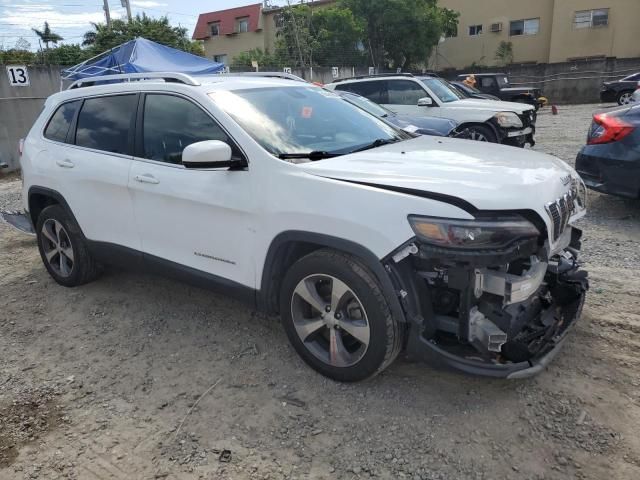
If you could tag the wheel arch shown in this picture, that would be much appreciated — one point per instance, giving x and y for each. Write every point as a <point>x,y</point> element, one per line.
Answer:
<point>40,198</point>
<point>288,247</point>
<point>487,124</point>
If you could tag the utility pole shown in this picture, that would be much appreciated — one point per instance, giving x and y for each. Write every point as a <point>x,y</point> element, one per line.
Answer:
<point>107,14</point>
<point>295,29</point>
<point>126,4</point>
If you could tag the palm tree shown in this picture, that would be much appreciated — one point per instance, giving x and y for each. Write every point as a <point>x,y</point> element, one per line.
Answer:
<point>47,36</point>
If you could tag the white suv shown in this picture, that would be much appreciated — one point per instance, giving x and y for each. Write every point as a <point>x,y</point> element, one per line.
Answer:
<point>366,240</point>
<point>486,120</point>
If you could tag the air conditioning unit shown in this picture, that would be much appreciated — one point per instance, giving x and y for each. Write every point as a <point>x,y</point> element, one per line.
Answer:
<point>496,27</point>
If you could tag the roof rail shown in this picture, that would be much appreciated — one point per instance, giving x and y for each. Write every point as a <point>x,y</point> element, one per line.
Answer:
<point>359,77</point>
<point>127,77</point>
<point>288,76</point>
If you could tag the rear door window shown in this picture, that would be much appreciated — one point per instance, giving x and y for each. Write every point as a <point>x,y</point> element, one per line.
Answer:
<point>172,123</point>
<point>487,82</point>
<point>375,91</point>
<point>104,123</point>
<point>58,126</point>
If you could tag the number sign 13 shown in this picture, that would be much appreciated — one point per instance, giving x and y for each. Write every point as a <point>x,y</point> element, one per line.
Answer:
<point>18,75</point>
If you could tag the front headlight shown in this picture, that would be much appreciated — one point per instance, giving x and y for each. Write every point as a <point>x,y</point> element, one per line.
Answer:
<point>508,120</point>
<point>494,234</point>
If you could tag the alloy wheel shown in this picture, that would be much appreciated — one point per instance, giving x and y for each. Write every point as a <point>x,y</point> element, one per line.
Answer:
<point>330,320</point>
<point>625,98</point>
<point>57,247</point>
<point>477,136</point>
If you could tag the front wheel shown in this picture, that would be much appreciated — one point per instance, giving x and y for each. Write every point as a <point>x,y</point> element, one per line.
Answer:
<point>337,318</point>
<point>625,98</point>
<point>480,133</point>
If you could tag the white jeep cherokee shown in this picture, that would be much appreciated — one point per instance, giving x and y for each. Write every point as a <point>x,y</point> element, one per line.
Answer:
<point>365,240</point>
<point>493,121</point>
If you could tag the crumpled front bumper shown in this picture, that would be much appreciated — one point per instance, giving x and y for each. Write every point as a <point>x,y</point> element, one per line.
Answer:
<point>426,350</point>
<point>488,320</point>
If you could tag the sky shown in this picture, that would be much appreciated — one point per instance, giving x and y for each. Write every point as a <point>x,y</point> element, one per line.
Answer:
<point>72,18</point>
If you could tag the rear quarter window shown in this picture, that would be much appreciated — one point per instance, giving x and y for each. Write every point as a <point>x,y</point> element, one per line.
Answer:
<point>59,124</point>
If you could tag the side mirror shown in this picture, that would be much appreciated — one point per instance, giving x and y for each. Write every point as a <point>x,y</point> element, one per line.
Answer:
<point>425,102</point>
<point>209,154</point>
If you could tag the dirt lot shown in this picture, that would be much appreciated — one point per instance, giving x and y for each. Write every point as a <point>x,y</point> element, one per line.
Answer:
<point>106,381</point>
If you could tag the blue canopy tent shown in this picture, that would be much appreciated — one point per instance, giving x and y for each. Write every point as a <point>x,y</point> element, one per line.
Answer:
<point>141,56</point>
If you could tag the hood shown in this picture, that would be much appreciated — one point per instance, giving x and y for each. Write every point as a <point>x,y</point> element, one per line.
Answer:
<point>495,106</point>
<point>487,176</point>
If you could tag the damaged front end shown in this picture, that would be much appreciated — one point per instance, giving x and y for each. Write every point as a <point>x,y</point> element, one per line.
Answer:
<point>494,296</point>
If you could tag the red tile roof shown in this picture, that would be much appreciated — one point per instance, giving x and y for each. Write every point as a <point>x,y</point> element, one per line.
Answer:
<point>227,19</point>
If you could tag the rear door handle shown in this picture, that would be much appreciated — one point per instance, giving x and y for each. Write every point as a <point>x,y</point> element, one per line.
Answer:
<point>146,178</point>
<point>65,163</point>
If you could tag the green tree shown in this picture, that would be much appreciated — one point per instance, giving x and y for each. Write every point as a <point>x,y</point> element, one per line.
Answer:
<point>318,36</point>
<point>401,33</point>
<point>102,38</point>
<point>47,36</point>
<point>16,55</point>
<point>264,58</point>
<point>67,55</point>
<point>504,53</point>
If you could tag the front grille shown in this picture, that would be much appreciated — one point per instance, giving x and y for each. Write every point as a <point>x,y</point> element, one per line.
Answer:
<point>560,211</point>
<point>528,119</point>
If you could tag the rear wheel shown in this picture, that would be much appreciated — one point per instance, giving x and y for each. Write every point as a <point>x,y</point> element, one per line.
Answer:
<point>480,133</point>
<point>624,98</point>
<point>337,318</point>
<point>63,249</point>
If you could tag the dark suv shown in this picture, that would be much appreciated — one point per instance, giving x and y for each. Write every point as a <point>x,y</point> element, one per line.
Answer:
<point>497,84</point>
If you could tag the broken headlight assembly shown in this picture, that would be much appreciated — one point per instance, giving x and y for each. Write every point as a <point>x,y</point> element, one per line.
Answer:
<point>480,234</point>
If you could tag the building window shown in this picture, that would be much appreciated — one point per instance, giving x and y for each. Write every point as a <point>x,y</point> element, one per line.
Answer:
<point>215,29</point>
<point>278,19</point>
<point>475,30</point>
<point>222,58</point>
<point>242,25</point>
<point>591,18</point>
<point>524,27</point>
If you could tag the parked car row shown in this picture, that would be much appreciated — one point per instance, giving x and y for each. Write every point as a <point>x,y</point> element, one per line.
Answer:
<point>365,239</point>
<point>489,121</point>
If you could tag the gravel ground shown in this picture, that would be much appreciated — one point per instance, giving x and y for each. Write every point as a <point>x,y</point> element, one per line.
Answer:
<point>139,377</point>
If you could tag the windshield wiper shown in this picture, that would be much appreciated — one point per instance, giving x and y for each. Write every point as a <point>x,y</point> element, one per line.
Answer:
<point>375,144</point>
<point>313,156</point>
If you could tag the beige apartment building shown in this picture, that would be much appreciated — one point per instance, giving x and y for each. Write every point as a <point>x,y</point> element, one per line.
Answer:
<point>541,31</point>
<point>227,33</point>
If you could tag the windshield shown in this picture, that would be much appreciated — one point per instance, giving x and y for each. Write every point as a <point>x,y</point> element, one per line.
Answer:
<point>442,90</point>
<point>366,104</point>
<point>298,120</point>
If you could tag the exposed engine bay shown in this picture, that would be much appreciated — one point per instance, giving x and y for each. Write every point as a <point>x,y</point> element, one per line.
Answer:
<point>491,313</point>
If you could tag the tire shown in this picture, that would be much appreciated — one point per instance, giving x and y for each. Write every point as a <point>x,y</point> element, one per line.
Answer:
<point>624,98</point>
<point>480,133</point>
<point>63,249</point>
<point>360,307</point>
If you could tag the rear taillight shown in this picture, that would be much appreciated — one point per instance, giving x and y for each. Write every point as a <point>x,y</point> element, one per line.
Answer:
<point>21,146</point>
<point>607,129</point>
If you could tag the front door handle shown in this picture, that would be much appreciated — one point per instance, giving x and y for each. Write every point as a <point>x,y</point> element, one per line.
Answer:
<point>65,163</point>
<point>146,178</point>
